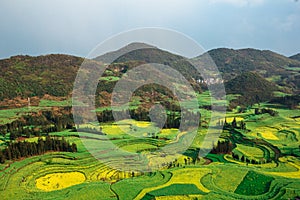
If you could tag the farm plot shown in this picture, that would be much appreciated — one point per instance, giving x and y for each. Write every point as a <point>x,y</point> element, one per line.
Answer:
<point>254,184</point>
<point>173,190</point>
<point>267,133</point>
<point>249,152</point>
<point>229,177</point>
<point>58,181</point>
<point>182,176</point>
<point>9,115</point>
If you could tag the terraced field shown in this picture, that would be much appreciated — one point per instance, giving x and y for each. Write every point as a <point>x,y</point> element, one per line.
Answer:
<point>272,171</point>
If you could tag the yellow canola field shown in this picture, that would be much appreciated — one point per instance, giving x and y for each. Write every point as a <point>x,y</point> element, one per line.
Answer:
<point>58,181</point>
<point>230,119</point>
<point>267,133</point>
<point>141,124</point>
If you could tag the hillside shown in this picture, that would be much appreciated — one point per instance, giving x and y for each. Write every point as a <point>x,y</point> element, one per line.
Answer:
<point>27,76</point>
<point>275,67</point>
<point>110,57</point>
<point>265,62</point>
<point>149,54</point>
<point>295,57</point>
<point>252,87</point>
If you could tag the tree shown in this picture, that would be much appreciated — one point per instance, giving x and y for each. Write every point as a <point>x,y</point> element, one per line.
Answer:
<point>2,157</point>
<point>243,125</point>
<point>12,135</point>
<point>256,111</point>
<point>74,147</point>
<point>8,153</point>
<point>185,161</point>
<point>233,123</point>
<point>223,147</point>
<point>242,158</point>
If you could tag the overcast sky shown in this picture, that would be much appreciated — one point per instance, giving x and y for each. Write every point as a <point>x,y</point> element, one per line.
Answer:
<point>35,27</point>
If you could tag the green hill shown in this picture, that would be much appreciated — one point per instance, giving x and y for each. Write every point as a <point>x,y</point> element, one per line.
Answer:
<point>27,76</point>
<point>252,87</point>
<point>264,62</point>
<point>275,67</point>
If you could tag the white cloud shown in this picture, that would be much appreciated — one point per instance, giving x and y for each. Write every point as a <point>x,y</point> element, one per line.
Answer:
<point>240,3</point>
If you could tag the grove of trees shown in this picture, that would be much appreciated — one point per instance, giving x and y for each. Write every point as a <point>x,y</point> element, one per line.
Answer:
<point>24,149</point>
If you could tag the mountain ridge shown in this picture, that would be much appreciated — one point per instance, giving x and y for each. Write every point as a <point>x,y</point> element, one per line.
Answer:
<point>53,74</point>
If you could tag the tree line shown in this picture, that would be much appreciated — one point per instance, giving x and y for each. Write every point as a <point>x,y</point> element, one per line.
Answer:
<point>39,123</point>
<point>173,119</point>
<point>43,122</point>
<point>245,159</point>
<point>232,125</point>
<point>222,147</point>
<point>24,149</point>
<point>290,101</point>
<point>271,112</point>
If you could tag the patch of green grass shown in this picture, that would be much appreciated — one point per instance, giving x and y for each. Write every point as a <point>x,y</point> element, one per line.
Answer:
<point>254,184</point>
<point>293,68</point>
<point>274,78</point>
<point>230,97</point>
<point>109,78</point>
<point>52,103</point>
<point>138,147</point>
<point>176,189</point>
<point>204,98</point>
<point>9,115</point>
<point>280,94</point>
<point>216,158</point>
<point>250,152</point>
<point>65,133</point>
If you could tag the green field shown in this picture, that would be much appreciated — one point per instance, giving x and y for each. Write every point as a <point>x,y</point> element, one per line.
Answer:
<point>254,184</point>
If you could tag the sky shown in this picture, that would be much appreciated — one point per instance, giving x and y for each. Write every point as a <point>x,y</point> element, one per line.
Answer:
<point>38,27</point>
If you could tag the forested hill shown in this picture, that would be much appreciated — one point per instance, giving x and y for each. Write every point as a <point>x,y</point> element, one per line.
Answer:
<point>252,87</point>
<point>27,76</point>
<point>243,60</point>
<point>277,68</point>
